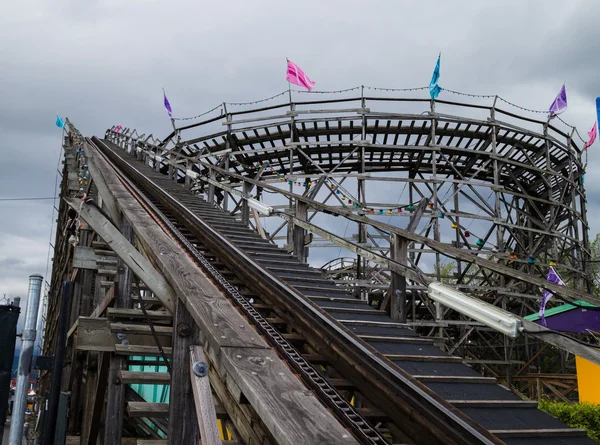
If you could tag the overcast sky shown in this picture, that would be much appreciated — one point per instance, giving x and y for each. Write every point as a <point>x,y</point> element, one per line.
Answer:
<point>104,62</point>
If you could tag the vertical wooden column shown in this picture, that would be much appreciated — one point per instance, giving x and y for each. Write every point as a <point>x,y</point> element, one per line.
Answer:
<point>398,253</point>
<point>115,405</point>
<point>211,188</point>
<point>247,188</point>
<point>188,180</point>
<point>183,424</point>
<point>225,203</point>
<point>299,232</point>
<point>172,169</point>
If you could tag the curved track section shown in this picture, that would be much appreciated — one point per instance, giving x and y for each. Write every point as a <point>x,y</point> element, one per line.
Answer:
<point>497,186</point>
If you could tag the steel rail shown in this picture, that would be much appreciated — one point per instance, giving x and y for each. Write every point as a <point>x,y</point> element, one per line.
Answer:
<point>406,401</point>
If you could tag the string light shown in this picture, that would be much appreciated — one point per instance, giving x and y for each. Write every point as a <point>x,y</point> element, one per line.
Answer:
<point>199,115</point>
<point>258,101</point>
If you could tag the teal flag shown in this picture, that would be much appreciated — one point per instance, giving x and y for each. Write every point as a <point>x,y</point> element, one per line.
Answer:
<point>59,121</point>
<point>434,88</point>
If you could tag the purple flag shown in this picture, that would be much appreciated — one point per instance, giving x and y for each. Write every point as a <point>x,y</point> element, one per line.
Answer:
<point>167,105</point>
<point>560,103</point>
<point>554,278</point>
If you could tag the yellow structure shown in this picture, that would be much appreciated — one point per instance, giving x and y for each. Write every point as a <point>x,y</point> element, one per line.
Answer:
<point>587,381</point>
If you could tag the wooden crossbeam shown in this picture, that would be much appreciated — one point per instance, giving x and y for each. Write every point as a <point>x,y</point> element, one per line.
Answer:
<point>140,266</point>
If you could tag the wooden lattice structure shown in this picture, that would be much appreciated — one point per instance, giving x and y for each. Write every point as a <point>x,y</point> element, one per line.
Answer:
<point>386,195</point>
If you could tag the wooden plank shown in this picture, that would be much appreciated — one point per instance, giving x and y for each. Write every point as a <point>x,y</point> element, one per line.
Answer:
<point>139,314</point>
<point>140,329</point>
<point>95,403</point>
<point>183,426</point>
<point>147,409</point>
<point>104,302</point>
<point>280,399</point>
<point>116,394</point>
<point>205,407</point>
<point>140,266</point>
<point>84,258</point>
<point>140,350</point>
<point>96,334</point>
<point>103,188</point>
<point>145,378</point>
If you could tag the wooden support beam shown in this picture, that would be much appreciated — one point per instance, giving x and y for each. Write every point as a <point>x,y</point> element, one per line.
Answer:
<point>299,232</point>
<point>399,253</point>
<point>103,190</point>
<point>96,391</point>
<point>116,394</point>
<point>140,266</point>
<point>183,426</point>
<point>97,334</point>
<point>397,292</point>
<point>258,224</point>
<point>205,406</point>
<point>105,301</point>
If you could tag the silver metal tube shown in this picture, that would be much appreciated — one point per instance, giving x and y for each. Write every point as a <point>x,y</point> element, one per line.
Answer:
<point>27,344</point>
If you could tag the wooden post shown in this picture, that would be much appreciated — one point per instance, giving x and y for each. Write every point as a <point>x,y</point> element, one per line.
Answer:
<point>183,426</point>
<point>95,400</point>
<point>211,188</point>
<point>205,405</point>
<point>399,253</point>
<point>299,232</point>
<point>188,180</point>
<point>245,209</point>
<point>115,404</point>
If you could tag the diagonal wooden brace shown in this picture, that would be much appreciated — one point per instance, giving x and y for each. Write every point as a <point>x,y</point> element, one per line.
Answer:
<point>140,266</point>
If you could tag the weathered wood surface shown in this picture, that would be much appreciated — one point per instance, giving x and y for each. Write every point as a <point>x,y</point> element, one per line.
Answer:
<point>147,409</point>
<point>84,258</point>
<point>140,266</point>
<point>96,334</point>
<point>281,400</point>
<point>116,392</point>
<point>205,406</point>
<point>226,334</point>
<point>163,316</point>
<point>183,426</point>
<point>106,300</point>
<point>140,350</point>
<point>95,401</point>
<point>140,329</point>
<point>145,378</point>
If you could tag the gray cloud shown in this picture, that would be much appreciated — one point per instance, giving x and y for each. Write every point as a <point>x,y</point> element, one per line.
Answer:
<point>104,62</point>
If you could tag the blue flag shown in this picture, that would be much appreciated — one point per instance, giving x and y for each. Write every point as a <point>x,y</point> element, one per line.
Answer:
<point>434,88</point>
<point>59,121</point>
<point>598,109</point>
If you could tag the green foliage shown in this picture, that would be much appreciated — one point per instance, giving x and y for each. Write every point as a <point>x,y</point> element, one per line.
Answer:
<point>447,272</point>
<point>595,267</point>
<point>581,415</point>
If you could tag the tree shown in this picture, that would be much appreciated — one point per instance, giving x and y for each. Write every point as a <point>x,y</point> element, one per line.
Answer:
<point>595,263</point>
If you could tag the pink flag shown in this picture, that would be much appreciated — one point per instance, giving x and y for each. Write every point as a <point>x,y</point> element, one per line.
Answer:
<point>118,128</point>
<point>296,76</point>
<point>592,134</point>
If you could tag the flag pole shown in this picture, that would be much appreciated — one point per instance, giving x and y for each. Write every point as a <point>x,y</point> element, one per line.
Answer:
<point>289,84</point>
<point>170,117</point>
